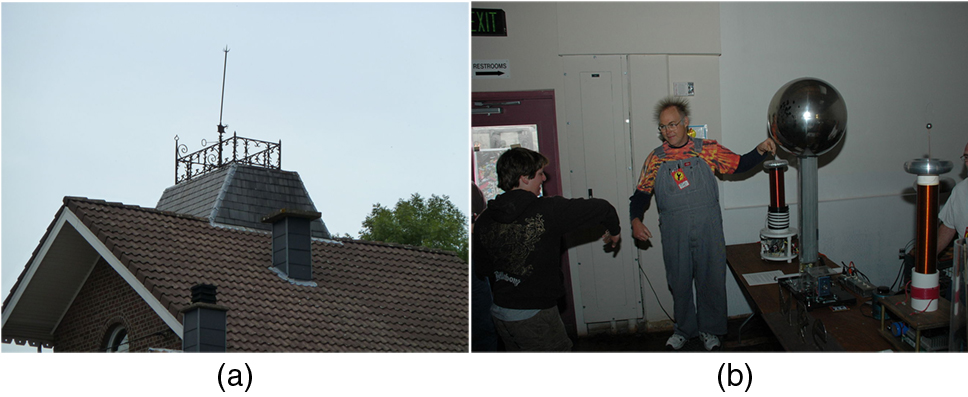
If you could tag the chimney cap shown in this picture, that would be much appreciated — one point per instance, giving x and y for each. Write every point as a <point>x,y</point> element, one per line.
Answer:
<point>203,297</point>
<point>204,293</point>
<point>287,212</point>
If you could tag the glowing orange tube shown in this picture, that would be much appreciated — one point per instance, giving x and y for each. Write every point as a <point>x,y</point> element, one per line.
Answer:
<point>777,195</point>
<point>927,228</point>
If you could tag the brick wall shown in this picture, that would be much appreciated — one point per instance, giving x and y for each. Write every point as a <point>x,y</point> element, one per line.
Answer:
<point>104,301</point>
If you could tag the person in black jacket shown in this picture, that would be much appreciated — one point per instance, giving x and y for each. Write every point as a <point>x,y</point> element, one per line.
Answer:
<point>517,246</point>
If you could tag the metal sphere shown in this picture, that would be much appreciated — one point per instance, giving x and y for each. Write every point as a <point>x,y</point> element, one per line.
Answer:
<point>807,117</point>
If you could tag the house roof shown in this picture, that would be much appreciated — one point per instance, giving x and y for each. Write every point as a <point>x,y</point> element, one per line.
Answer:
<point>241,195</point>
<point>369,296</point>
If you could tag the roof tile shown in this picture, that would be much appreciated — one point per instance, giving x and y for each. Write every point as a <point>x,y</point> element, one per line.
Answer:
<point>369,296</point>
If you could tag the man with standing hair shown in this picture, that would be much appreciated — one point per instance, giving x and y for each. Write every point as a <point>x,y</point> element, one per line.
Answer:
<point>680,174</point>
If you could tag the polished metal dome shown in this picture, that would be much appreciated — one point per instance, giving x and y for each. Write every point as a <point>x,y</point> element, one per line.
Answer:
<point>775,163</point>
<point>807,117</point>
<point>928,166</point>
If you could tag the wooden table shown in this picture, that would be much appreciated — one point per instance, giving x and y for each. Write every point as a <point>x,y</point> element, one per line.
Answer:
<point>850,330</point>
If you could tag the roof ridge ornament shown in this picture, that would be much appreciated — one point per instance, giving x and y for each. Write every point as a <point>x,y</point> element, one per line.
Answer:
<point>210,158</point>
<point>245,151</point>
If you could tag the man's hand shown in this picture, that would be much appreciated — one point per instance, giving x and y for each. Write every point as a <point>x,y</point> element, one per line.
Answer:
<point>639,231</point>
<point>766,146</point>
<point>607,238</point>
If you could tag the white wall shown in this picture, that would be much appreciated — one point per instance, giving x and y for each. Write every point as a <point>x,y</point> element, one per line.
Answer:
<point>638,28</point>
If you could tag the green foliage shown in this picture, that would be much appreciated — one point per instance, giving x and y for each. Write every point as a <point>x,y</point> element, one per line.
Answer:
<point>432,223</point>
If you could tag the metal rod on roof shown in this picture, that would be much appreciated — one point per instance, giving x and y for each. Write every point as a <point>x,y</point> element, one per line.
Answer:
<point>224,66</point>
<point>221,128</point>
<point>176,159</point>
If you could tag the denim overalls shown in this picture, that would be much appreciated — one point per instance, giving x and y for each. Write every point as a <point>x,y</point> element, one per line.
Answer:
<point>693,245</point>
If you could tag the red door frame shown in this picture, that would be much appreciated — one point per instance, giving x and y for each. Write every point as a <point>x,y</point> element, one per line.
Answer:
<point>537,107</point>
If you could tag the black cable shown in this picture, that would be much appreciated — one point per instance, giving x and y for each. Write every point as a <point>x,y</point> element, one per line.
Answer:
<point>654,293</point>
<point>901,269</point>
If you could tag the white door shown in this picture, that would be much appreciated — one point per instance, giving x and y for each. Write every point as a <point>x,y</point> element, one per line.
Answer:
<point>606,287</point>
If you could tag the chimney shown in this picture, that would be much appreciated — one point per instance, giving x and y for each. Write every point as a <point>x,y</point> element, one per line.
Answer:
<point>292,243</point>
<point>204,322</point>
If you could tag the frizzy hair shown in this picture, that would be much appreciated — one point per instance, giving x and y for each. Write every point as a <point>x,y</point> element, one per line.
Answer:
<point>681,105</point>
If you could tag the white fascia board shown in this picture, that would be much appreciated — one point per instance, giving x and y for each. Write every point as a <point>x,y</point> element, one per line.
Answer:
<point>123,271</point>
<point>32,268</point>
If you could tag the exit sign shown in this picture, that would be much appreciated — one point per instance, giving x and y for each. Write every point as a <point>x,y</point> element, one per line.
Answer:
<point>488,22</point>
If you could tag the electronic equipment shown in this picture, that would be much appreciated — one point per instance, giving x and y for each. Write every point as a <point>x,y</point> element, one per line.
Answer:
<point>879,293</point>
<point>898,329</point>
<point>815,288</point>
<point>823,286</point>
<point>931,340</point>
<point>858,285</point>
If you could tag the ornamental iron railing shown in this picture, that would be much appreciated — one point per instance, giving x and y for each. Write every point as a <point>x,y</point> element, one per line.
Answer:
<point>234,150</point>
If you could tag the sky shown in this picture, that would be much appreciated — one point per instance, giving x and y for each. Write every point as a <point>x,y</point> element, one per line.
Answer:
<point>370,102</point>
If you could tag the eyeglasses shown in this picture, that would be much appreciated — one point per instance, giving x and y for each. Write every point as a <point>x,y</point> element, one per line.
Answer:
<point>964,157</point>
<point>670,125</point>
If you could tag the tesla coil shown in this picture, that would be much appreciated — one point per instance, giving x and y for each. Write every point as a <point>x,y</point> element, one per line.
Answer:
<point>925,286</point>
<point>777,239</point>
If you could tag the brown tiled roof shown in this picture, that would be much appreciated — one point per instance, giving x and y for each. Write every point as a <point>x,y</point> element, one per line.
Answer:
<point>369,296</point>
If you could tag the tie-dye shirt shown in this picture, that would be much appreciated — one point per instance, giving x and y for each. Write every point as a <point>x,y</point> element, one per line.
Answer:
<point>719,158</point>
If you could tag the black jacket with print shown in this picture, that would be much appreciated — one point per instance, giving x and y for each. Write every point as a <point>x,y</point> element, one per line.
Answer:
<point>517,244</point>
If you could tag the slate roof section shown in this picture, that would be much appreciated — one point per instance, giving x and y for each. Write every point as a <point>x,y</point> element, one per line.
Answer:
<point>369,296</point>
<point>240,195</point>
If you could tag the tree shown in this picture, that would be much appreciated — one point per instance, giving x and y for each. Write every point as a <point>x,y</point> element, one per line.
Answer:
<point>432,223</point>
